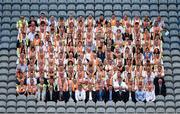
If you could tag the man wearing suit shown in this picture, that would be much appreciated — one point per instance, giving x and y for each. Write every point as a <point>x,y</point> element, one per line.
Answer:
<point>51,94</point>
<point>90,94</point>
<point>160,87</point>
<point>109,93</point>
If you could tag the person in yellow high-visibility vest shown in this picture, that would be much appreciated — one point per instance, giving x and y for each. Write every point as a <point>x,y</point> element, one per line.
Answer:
<point>20,22</point>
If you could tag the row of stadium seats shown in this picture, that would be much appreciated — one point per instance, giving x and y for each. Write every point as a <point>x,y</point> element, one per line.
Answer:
<point>91,1</point>
<point>107,7</point>
<point>89,107</point>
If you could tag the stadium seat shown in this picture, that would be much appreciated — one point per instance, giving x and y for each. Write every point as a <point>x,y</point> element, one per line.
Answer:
<point>81,2</point>
<point>80,7</point>
<point>51,107</point>
<point>120,107</point>
<point>41,107</point>
<point>70,106</point>
<point>90,2</point>
<point>11,106</point>
<point>110,107</point>
<point>53,7</point>
<point>130,107</point>
<point>80,107</point>
<point>90,7</point>
<point>170,107</point>
<point>60,107</point>
<point>21,106</point>
<point>160,107</point>
<point>100,107</point>
<point>90,107</point>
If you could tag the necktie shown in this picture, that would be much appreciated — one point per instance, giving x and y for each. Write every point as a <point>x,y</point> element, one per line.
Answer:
<point>40,96</point>
<point>110,94</point>
<point>160,89</point>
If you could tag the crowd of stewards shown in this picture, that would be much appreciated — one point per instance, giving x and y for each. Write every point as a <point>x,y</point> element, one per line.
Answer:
<point>90,60</point>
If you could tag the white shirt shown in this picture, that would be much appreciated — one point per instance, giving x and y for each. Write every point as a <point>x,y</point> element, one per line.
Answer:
<point>80,95</point>
<point>116,85</point>
<point>150,96</point>
<point>116,28</point>
<point>28,81</point>
<point>31,36</point>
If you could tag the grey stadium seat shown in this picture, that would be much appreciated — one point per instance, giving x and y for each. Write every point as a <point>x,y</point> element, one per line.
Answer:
<point>71,7</point>
<point>21,106</point>
<point>99,7</point>
<point>31,106</point>
<point>3,98</point>
<point>81,2</point>
<point>80,7</point>
<point>108,7</point>
<point>110,107</point>
<point>80,13</point>
<point>4,78</point>
<point>126,7</point>
<point>120,107</point>
<point>90,107</point>
<point>12,85</point>
<point>51,107</point>
<point>11,106</point>
<point>21,98</point>
<point>90,2</point>
<point>70,106</point>
<point>2,106</point>
<point>31,98</point>
<point>34,7</point>
<point>170,107</point>
<point>7,7</point>
<point>60,107</point>
<point>41,107</point>
<point>140,107</point>
<point>136,2</point>
<point>100,107</point>
<point>160,107</point>
<point>130,107</point>
<point>126,2</point>
<point>89,7</point>
<point>80,107</point>
<point>25,7</point>
<point>108,1</point>
<point>163,1</point>
<point>136,7</point>
<point>145,2</point>
<point>53,7</point>
<point>16,7</point>
<point>117,7</point>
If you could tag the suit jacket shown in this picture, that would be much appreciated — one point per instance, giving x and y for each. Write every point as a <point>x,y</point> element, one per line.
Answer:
<point>45,81</point>
<point>107,93</point>
<point>162,91</point>
<point>94,98</point>
<point>54,96</point>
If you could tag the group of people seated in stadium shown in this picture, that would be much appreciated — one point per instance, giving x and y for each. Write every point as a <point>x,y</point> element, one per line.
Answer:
<point>90,60</point>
